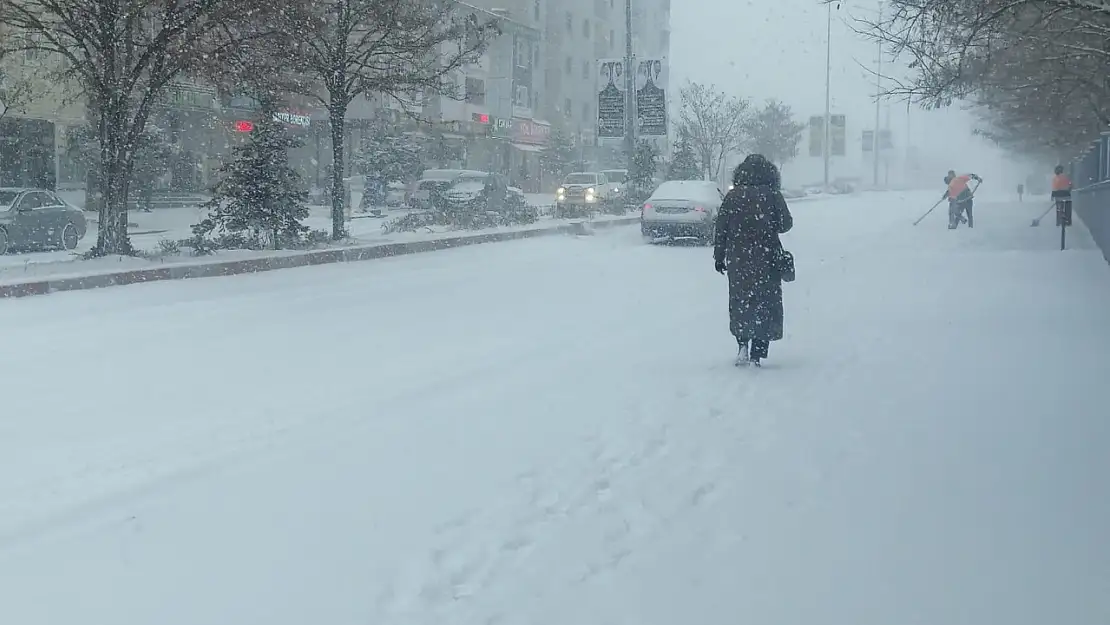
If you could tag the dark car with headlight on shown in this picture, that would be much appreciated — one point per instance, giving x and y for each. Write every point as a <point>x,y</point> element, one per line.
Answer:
<point>37,219</point>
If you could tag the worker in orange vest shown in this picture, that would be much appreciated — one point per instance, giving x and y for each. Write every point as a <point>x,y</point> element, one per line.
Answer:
<point>960,198</point>
<point>1061,194</point>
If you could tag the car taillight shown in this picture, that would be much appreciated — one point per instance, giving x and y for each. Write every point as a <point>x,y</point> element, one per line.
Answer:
<point>646,208</point>
<point>699,209</point>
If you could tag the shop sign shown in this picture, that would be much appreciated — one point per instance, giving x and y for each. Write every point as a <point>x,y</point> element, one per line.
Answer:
<point>530,132</point>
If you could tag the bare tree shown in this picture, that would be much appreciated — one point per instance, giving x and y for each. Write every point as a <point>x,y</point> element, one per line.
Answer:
<point>714,124</point>
<point>124,54</point>
<point>1035,69</point>
<point>775,133</point>
<point>402,49</point>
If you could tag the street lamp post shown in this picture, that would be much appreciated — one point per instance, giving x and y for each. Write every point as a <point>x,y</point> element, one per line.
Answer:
<point>629,86</point>
<point>828,91</point>
<point>878,100</point>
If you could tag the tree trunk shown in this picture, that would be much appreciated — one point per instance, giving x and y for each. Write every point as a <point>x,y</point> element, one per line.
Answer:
<point>112,237</point>
<point>337,116</point>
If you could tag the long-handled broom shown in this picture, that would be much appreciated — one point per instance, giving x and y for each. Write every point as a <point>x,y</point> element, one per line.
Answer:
<point>1037,221</point>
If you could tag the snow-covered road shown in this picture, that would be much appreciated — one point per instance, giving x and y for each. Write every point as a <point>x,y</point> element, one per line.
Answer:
<point>550,432</point>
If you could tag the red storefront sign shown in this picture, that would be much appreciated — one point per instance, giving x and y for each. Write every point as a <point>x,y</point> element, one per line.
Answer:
<point>530,132</point>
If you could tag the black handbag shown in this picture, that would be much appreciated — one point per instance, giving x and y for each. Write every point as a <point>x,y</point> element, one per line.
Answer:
<point>784,264</point>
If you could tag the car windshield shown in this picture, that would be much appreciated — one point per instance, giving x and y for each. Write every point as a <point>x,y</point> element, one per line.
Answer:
<point>581,179</point>
<point>616,176</point>
<point>469,185</point>
<point>7,198</point>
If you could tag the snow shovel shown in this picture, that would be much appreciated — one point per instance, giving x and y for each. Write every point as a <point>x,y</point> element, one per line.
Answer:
<point>1037,221</point>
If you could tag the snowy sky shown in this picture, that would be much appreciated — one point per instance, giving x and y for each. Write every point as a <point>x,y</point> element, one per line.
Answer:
<point>776,48</point>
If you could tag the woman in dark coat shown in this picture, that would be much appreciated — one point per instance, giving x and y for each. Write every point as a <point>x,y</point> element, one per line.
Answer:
<point>752,216</point>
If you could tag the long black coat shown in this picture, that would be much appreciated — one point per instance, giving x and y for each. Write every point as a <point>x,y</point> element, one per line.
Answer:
<point>752,217</point>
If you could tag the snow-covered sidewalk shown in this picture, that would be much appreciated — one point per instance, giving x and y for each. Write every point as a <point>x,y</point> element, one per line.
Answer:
<point>149,230</point>
<point>551,432</point>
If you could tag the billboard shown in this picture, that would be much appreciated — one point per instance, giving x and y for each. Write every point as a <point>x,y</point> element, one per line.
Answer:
<point>838,125</point>
<point>886,139</point>
<point>838,137</point>
<point>651,97</point>
<point>610,99</point>
<point>817,136</point>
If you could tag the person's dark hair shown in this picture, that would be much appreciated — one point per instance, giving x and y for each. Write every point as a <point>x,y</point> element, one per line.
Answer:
<point>757,171</point>
<point>1059,169</point>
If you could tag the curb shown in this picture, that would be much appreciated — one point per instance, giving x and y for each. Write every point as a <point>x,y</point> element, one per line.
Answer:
<point>186,271</point>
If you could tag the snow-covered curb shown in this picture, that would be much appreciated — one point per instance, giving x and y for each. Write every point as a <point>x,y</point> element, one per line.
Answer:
<point>289,260</point>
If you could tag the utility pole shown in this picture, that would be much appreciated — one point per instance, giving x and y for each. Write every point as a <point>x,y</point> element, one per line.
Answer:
<point>908,166</point>
<point>886,161</point>
<point>878,100</point>
<point>828,92</point>
<point>629,87</point>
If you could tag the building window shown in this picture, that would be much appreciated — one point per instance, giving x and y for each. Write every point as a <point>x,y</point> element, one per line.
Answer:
<point>585,70</point>
<point>475,91</point>
<point>570,23</point>
<point>568,65</point>
<point>586,28</point>
<point>567,108</point>
<point>586,110</point>
<point>536,10</point>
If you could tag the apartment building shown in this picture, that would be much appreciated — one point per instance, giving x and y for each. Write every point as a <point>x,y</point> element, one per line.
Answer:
<point>496,126</point>
<point>651,27</point>
<point>34,116</point>
<point>577,34</point>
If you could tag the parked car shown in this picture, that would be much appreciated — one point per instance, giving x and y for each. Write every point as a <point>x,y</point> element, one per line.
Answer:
<point>433,181</point>
<point>395,194</point>
<point>581,194</point>
<point>682,209</point>
<point>37,219</point>
<point>483,191</point>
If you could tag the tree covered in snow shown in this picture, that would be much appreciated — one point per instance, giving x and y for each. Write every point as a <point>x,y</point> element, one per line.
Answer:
<point>402,50</point>
<point>259,195</point>
<point>714,123</point>
<point>774,133</point>
<point>684,162</point>
<point>1032,68</point>
<point>558,156</point>
<point>386,154</point>
<point>124,54</point>
<point>155,152</point>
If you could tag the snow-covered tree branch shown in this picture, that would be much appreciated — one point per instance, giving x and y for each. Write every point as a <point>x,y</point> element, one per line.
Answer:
<point>124,54</point>
<point>395,48</point>
<point>1036,69</point>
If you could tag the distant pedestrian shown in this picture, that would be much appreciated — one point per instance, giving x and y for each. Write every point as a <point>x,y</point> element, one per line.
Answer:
<point>748,250</point>
<point>1021,192</point>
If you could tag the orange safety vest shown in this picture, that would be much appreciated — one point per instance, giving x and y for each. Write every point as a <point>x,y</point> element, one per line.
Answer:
<point>957,186</point>
<point>1061,182</point>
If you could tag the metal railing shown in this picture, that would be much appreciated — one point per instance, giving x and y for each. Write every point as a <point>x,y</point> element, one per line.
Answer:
<point>1090,174</point>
